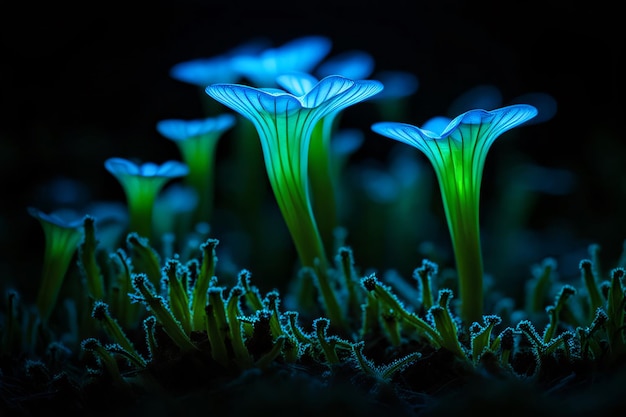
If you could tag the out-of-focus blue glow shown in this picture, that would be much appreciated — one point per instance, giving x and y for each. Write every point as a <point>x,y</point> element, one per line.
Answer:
<point>553,181</point>
<point>301,54</point>
<point>63,217</point>
<point>124,167</point>
<point>178,198</point>
<point>205,71</point>
<point>397,84</point>
<point>486,97</point>
<point>545,104</point>
<point>347,141</point>
<point>63,192</point>
<point>216,69</point>
<point>173,208</point>
<point>296,83</point>
<point>406,167</point>
<point>111,220</point>
<point>178,130</point>
<point>436,124</point>
<point>489,97</point>
<point>353,64</point>
<point>378,184</point>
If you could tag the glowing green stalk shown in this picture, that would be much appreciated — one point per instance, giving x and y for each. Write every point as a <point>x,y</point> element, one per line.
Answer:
<point>63,233</point>
<point>284,123</point>
<point>142,183</point>
<point>322,166</point>
<point>323,183</point>
<point>197,142</point>
<point>259,62</point>
<point>458,156</point>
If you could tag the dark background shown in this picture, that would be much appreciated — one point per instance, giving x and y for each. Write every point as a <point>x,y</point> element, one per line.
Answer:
<point>83,83</point>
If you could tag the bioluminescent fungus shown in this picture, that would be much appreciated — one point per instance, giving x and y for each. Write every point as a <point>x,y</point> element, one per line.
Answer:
<point>258,62</point>
<point>285,124</point>
<point>197,141</point>
<point>63,232</point>
<point>321,174</point>
<point>353,64</point>
<point>142,183</point>
<point>134,311</point>
<point>457,154</point>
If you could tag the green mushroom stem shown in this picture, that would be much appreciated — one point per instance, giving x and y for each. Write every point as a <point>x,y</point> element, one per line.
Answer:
<point>464,231</point>
<point>458,155</point>
<point>197,141</point>
<point>62,239</point>
<point>285,123</point>
<point>142,183</point>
